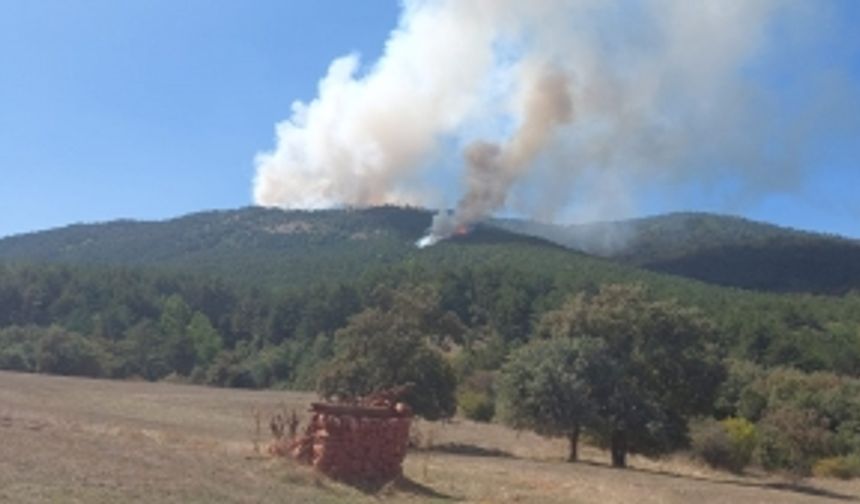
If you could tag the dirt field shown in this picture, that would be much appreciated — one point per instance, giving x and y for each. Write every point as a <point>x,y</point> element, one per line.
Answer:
<point>92,441</point>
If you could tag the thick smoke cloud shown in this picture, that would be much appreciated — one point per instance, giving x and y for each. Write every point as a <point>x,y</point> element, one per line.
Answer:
<point>557,104</point>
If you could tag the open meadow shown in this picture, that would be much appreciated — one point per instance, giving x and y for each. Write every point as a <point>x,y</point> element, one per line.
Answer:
<point>81,440</point>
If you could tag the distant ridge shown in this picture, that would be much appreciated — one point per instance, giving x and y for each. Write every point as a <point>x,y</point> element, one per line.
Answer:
<point>271,246</point>
<point>255,245</point>
<point>719,249</point>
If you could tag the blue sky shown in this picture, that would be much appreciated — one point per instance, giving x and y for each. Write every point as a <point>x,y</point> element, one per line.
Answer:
<point>151,109</point>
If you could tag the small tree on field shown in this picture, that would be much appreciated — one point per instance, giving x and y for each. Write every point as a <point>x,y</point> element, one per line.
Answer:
<point>545,386</point>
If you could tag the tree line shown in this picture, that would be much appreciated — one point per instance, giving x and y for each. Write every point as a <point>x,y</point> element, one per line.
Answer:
<point>627,367</point>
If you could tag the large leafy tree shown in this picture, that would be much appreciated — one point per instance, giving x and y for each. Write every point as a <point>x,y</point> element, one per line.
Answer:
<point>657,367</point>
<point>396,342</point>
<point>546,387</point>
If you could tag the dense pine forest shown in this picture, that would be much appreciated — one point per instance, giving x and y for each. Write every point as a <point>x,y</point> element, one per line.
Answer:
<point>265,298</point>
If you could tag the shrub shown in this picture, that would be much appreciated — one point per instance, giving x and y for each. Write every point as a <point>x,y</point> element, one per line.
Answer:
<point>724,445</point>
<point>67,353</point>
<point>736,390</point>
<point>476,397</point>
<point>846,467</point>
<point>229,369</point>
<point>743,437</point>
<point>848,435</point>
<point>791,439</point>
<point>475,405</point>
<point>16,358</point>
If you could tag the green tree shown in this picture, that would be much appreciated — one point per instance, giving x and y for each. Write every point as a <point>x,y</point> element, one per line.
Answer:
<point>546,387</point>
<point>390,345</point>
<point>174,323</point>
<point>204,338</point>
<point>141,353</point>
<point>66,353</point>
<point>658,369</point>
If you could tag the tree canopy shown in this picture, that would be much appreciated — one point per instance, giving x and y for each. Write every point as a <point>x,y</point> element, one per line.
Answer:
<point>393,344</point>
<point>546,386</point>
<point>650,366</point>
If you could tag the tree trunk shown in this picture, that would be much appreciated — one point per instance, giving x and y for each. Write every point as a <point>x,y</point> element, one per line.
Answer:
<point>573,437</point>
<point>619,448</point>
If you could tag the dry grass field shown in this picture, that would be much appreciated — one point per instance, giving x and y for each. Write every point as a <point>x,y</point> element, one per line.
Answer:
<point>96,441</point>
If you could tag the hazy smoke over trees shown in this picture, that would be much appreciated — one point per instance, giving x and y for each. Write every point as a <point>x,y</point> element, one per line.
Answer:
<point>553,103</point>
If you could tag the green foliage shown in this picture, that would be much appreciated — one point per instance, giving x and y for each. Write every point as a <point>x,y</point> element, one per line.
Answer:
<point>792,439</point>
<point>476,397</point>
<point>66,353</point>
<point>394,344</point>
<point>18,348</point>
<point>548,386</point>
<point>836,399</point>
<point>16,358</point>
<point>477,406</point>
<point>801,416</point>
<point>743,437</point>
<point>657,368</point>
<point>727,444</point>
<point>845,467</point>
<point>232,368</point>
<point>735,396</point>
<point>142,353</point>
<point>545,386</point>
<point>204,338</point>
<point>483,351</point>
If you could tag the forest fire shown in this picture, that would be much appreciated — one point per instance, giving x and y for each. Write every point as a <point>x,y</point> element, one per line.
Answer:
<point>434,238</point>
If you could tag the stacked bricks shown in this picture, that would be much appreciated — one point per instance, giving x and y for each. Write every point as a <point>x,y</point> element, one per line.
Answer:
<point>356,443</point>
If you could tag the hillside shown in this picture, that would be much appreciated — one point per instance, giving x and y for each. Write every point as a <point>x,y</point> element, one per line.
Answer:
<point>271,247</point>
<point>250,244</point>
<point>717,249</point>
<point>255,246</point>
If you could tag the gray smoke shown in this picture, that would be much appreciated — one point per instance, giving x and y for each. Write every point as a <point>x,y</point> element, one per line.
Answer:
<point>492,169</point>
<point>558,106</point>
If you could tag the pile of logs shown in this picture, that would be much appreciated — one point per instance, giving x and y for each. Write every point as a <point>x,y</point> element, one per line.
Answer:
<point>354,442</point>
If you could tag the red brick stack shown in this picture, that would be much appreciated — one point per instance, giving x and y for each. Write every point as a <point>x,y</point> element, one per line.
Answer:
<point>356,443</point>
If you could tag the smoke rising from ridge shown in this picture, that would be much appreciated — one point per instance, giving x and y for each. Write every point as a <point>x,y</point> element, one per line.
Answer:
<point>492,168</point>
<point>557,106</point>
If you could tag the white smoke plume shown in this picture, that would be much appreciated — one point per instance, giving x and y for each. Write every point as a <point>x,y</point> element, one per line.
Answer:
<point>556,104</point>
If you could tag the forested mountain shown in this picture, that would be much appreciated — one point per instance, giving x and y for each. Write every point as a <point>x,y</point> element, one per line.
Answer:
<point>270,247</point>
<point>252,245</point>
<point>266,277</point>
<point>718,249</point>
<point>257,246</point>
